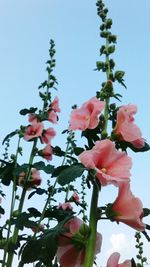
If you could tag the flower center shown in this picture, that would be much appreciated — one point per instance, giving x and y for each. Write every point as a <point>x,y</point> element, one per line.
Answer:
<point>104,170</point>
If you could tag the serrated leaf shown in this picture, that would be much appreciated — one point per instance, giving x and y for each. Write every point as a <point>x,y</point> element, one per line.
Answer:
<point>8,136</point>
<point>70,174</point>
<point>26,111</point>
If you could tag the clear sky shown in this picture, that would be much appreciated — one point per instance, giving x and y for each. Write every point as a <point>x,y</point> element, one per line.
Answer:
<point>26,27</point>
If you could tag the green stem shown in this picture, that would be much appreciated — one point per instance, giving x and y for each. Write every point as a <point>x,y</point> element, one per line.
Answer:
<point>21,203</point>
<point>52,192</point>
<point>11,207</point>
<point>90,247</point>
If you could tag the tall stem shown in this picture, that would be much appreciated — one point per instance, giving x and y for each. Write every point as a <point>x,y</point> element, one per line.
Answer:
<point>11,208</point>
<point>21,203</point>
<point>90,247</point>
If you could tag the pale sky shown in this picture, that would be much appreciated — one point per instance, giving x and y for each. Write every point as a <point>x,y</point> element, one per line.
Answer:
<point>27,26</point>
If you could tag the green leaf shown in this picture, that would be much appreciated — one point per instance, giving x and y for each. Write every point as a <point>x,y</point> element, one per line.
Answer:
<point>22,221</point>
<point>21,168</point>
<point>41,166</point>
<point>57,151</point>
<point>70,173</point>
<point>6,173</point>
<point>78,150</point>
<point>146,212</point>
<point>38,191</point>
<point>2,211</point>
<point>8,136</point>
<point>26,111</point>
<point>145,148</point>
<point>44,248</point>
<point>34,212</point>
<point>58,170</point>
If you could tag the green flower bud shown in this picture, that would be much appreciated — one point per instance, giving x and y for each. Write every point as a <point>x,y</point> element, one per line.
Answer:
<point>109,23</point>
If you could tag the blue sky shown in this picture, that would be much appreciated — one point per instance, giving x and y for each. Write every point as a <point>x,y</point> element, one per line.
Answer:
<point>26,27</point>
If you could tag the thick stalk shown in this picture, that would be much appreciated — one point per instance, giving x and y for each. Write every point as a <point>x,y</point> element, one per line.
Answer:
<point>91,243</point>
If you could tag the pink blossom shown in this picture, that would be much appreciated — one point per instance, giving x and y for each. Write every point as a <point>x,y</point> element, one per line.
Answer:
<point>47,135</point>
<point>55,105</point>
<point>34,179</point>
<point>75,197</point>
<point>86,117</point>
<point>52,116</point>
<point>113,261</point>
<point>64,206</point>
<point>39,228</point>
<point>46,152</point>
<point>111,165</point>
<point>32,118</point>
<point>71,251</point>
<point>125,128</point>
<point>127,208</point>
<point>33,131</point>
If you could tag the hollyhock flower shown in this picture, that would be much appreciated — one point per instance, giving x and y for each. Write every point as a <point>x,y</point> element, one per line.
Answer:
<point>65,206</point>
<point>127,208</point>
<point>71,248</point>
<point>52,116</point>
<point>125,128</point>
<point>46,152</point>
<point>37,229</point>
<point>33,131</point>
<point>32,118</point>
<point>47,135</point>
<point>34,179</point>
<point>74,197</point>
<point>111,165</point>
<point>86,117</point>
<point>113,261</point>
<point>55,105</point>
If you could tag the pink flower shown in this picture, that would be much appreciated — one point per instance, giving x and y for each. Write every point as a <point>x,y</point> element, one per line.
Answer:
<point>47,135</point>
<point>34,179</point>
<point>52,116</point>
<point>46,152</point>
<point>75,197</point>
<point>33,131</point>
<point>37,229</point>
<point>71,250</point>
<point>128,209</point>
<point>86,117</point>
<point>32,118</point>
<point>113,261</point>
<point>125,127</point>
<point>65,206</point>
<point>111,165</point>
<point>55,105</point>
